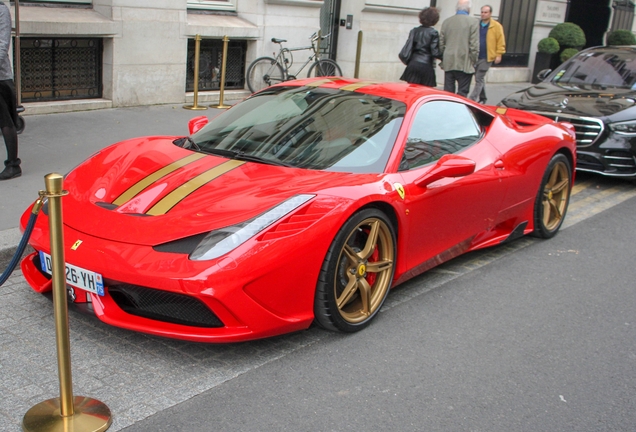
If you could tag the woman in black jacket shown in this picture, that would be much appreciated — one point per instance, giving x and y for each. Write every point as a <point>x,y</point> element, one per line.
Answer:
<point>420,50</point>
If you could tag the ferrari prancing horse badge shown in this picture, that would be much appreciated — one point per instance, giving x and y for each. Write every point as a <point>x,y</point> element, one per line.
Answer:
<point>400,189</point>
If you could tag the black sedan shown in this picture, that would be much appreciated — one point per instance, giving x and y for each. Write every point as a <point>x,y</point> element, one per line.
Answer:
<point>595,91</point>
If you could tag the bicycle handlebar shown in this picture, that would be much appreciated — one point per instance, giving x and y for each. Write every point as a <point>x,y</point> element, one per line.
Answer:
<point>314,37</point>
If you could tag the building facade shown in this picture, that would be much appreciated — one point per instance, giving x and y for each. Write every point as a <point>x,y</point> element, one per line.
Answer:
<point>83,54</point>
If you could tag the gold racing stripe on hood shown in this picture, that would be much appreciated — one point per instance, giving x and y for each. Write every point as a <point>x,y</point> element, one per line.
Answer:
<point>176,196</point>
<point>356,86</point>
<point>135,189</point>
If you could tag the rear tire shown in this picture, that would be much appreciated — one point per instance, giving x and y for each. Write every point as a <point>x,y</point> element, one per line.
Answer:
<point>357,273</point>
<point>263,72</point>
<point>324,68</point>
<point>553,198</point>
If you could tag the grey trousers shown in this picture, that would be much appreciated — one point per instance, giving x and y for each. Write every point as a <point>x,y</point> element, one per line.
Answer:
<point>479,91</point>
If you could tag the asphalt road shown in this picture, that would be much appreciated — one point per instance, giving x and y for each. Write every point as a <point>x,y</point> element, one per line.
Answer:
<point>541,339</point>
<point>529,336</point>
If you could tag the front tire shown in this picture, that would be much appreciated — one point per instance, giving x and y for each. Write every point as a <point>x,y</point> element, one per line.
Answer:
<point>553,198</point>
<point>323,68</point>
<point>263,72</point>
<point>357,273</point>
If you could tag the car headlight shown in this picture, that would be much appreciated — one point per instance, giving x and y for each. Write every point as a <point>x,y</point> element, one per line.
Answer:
<point>624,128</point>
<point>224,240</point>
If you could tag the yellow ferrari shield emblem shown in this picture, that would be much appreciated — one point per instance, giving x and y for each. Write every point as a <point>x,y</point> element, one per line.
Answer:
<point>400,189</point>
<point>76,245</point>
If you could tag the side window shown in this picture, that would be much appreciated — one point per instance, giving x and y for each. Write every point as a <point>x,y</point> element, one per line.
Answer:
<point>439,128</point>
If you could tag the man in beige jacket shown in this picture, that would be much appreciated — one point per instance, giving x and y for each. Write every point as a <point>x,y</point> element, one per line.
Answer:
<point>459,43</point>
<point>492,45</point>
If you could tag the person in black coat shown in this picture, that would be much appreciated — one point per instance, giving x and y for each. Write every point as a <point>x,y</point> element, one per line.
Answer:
<point>421,50</point>
<point>8,113</point>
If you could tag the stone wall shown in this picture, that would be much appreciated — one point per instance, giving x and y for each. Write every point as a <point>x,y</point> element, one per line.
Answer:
<point>145,41</point>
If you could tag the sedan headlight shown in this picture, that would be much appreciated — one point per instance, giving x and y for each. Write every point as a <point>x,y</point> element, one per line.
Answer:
<point>624,128</point>
<point>224,240</point>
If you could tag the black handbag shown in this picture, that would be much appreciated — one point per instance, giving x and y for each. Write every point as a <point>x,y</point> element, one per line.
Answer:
<point>407,49</point>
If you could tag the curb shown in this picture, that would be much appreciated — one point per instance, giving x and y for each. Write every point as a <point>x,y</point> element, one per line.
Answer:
<point>9,240</point>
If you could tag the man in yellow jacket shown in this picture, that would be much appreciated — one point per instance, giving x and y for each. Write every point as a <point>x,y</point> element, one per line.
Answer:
<point>492,44</point>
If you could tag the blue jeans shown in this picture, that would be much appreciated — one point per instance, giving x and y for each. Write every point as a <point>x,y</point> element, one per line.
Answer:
<point>479,91</point>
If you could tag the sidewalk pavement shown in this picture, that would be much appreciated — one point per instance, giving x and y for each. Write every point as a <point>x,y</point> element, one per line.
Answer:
<point>59,142</point>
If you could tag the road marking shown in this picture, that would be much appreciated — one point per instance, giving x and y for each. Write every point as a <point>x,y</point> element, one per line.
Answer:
<point>597,201</point>
<point>578,187</point>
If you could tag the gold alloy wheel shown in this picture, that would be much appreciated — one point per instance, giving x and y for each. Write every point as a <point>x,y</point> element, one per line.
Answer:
<point>555,196</point>
<point>365,269</point>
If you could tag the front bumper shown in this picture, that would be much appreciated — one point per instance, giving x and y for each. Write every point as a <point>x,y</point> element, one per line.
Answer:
<point>607,162</point>
<point>598,149</point>
<point>240,297</point>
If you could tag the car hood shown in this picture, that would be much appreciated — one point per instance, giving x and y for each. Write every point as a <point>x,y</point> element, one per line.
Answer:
<point>549,97</point>
<point>150,191</point>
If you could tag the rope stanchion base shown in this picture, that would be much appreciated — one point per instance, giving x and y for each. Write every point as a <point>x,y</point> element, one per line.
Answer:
<point>221,106</point>
<point>90,415</point>
<point>195,107</point>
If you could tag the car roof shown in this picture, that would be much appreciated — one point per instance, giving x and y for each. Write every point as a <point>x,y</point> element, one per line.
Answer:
<point>611,48</point>
<point>407,93</point>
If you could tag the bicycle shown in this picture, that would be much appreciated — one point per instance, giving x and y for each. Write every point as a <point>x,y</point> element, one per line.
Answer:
<point>266,71</point>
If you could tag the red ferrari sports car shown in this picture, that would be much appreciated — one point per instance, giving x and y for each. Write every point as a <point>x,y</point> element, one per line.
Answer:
<point>304,203</point>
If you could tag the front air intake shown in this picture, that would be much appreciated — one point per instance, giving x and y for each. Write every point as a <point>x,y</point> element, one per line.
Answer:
<point>163,306</point>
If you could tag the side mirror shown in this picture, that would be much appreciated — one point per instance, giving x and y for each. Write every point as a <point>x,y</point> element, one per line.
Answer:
<point>449,165</point>
<point>195,124</point>
<point>543,74</point>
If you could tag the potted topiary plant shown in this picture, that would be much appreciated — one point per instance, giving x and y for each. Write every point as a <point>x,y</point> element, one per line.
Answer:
<point>545,57</point>
<point>621,37</point>
<point>567,53</point>
<point>570,37</point>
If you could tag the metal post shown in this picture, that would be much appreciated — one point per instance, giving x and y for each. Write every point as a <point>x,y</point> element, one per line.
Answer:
<point>66,413</point>
<point>54,191</point>
<point>197,49</point>
<point>358,52</point>
<point>16,58</point>
<point>222,83</point>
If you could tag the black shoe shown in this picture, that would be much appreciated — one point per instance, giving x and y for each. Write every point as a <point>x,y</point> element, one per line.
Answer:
<point>12,170</point>
<point>483,101</point>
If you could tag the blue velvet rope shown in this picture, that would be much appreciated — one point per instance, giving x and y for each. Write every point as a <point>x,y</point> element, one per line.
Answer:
<point>20,250</point>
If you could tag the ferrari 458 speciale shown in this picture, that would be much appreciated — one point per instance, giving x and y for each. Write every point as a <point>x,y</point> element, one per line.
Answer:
<point>304,203</point>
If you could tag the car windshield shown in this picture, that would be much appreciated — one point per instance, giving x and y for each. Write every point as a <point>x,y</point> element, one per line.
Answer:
<point>616,69</point>
<point>307,127</point>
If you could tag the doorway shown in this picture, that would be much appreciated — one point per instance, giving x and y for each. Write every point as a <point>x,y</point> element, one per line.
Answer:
<point>593,17</point>
<point>329,25</point>
<point>517,19</point>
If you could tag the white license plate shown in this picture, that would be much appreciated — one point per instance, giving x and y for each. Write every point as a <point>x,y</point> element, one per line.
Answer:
<point>76,276</point>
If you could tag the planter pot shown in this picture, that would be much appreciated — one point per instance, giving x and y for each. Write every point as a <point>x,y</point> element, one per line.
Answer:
<point>542,61</point>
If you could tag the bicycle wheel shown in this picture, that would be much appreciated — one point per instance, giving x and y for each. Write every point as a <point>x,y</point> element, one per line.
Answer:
<point>263,72</point>
<point>324,67</point>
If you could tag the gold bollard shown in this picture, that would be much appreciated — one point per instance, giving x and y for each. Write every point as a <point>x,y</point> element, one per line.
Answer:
<point>197,49</point>
<point>222,83</point>
<point>358,52</point>
<point>66,413</point>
